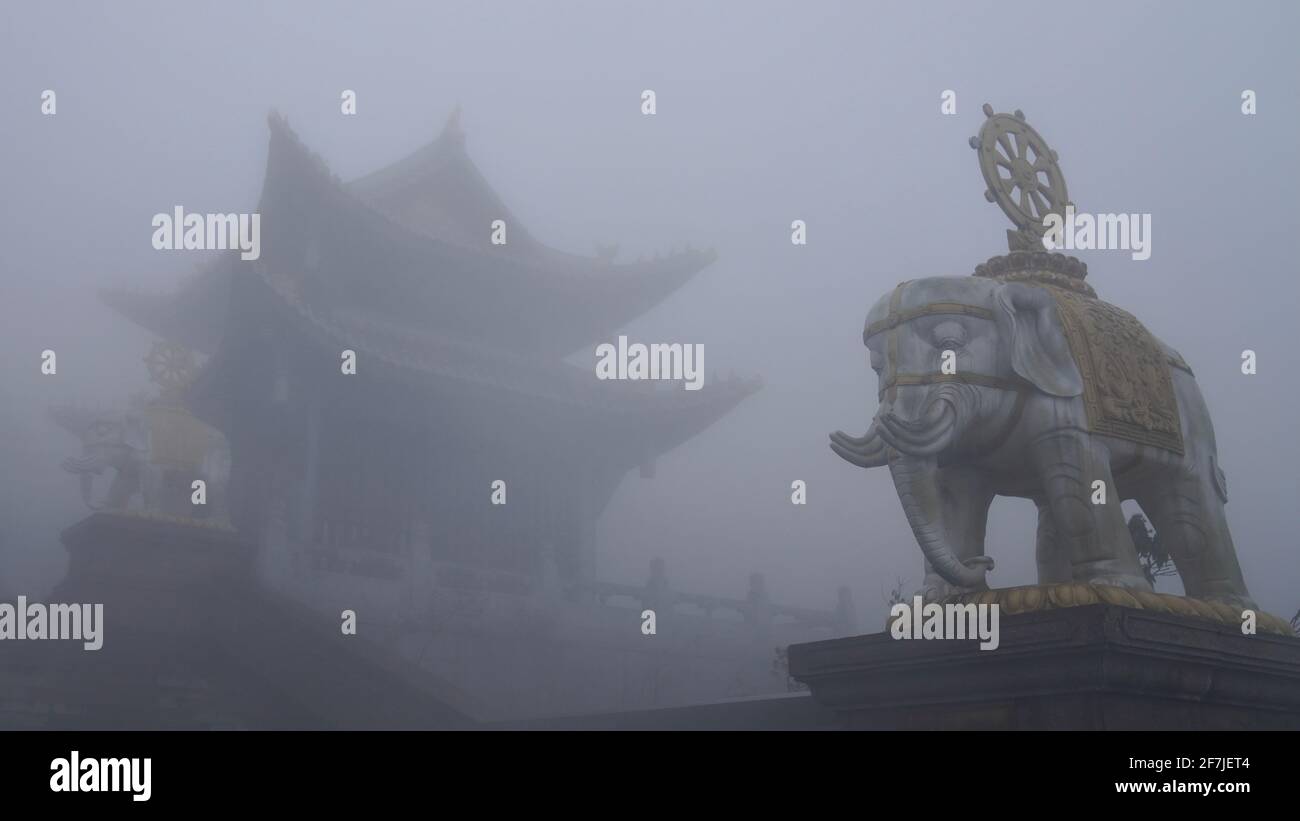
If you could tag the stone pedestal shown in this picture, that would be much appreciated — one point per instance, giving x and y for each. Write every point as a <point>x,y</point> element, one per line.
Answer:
<point>1096,667</point>
<point>155,575</point>
<point>191,640</point>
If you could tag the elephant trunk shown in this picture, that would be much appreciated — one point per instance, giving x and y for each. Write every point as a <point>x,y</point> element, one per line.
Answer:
<point>87,482</point>
<point>918,490</point>
<point>86,468</point>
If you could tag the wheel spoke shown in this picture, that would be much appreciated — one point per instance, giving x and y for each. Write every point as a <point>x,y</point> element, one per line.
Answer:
<point>1005,142</point>
<point>1040,202</point>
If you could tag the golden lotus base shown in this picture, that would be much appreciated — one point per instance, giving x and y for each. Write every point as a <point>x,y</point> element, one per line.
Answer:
<point>209,524</point>
<point>1034,597</point>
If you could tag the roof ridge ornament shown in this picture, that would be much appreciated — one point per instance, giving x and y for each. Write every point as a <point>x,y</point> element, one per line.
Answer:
<point>280,127</point>
<point>1034,185</point>
<point>452,127</point>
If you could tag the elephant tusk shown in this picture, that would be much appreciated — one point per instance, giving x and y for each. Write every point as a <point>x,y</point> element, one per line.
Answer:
<point>924,437</point>
<point>83,464</point>
<point>853,457</point>
<point>923,449</point>
<point>865,451</point>
<point>853,441</point>
<point>891,439</point>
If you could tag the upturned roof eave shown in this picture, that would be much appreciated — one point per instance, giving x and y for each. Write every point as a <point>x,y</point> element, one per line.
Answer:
<point>600,294</point>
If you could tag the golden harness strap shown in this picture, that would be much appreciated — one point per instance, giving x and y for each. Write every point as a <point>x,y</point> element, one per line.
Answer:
<point>891,378</point>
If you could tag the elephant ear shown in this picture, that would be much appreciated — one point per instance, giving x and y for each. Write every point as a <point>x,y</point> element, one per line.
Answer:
<point>1040,353</point>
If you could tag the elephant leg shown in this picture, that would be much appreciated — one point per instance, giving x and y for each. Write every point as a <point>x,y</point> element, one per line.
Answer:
<point>1053,561</point>
<point>120,489</point>
<point>965,497</point>
<point>1187,513</point>
<point>1093,537</point>
<point>149,488</point>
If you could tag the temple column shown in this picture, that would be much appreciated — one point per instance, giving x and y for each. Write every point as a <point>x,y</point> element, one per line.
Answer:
<point>311,467</point>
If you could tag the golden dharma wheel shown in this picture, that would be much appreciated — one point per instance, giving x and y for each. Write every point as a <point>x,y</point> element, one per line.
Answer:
<point>1020,170</point>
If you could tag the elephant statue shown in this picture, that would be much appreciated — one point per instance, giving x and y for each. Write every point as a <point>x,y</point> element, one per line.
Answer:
<point>119,442</point>
<point>1017,381</point>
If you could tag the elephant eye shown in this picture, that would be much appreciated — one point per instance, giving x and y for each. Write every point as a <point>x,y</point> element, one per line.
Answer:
<point>949,335</point>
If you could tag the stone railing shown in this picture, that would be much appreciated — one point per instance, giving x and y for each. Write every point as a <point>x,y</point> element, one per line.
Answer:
<point>756,608</point>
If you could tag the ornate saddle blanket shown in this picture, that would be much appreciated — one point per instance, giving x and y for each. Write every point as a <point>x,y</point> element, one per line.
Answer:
<point>1128,388</point>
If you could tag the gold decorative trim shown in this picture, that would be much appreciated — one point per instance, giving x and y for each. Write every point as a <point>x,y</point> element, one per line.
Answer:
<point>206,524</point>
<point>1128,391</point>
<point>1033,598</point>
<point>1056,280</point>
<point>963,378</point>
<point>1175,360</point>
<point>891,341</point>
<point>1040,267</point>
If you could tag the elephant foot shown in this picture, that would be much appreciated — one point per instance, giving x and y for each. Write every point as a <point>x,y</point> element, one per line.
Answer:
<point>1124,580</point>
<point>1237,602</point>
<point>936,588</point>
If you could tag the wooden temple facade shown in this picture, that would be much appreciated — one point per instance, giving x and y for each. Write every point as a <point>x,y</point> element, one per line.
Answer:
<point>373,490</point>
<point>460,375</point>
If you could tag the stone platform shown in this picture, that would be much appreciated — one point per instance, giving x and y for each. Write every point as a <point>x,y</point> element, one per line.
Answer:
<point>191,640</point>
<point>1094,667</point>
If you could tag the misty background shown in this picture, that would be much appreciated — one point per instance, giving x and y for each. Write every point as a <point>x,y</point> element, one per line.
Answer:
<point>767,113</point>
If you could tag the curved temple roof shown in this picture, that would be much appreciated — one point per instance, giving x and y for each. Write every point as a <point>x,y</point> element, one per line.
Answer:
<point>412,242</point>
<point>399,266</point>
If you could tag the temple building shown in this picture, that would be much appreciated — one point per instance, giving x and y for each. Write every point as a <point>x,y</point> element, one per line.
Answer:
<point>373,490</point>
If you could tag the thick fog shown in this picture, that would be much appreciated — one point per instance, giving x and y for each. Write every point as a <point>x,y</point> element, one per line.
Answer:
<point>766,113</point>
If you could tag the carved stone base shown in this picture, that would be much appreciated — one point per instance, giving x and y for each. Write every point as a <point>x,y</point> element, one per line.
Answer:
<point>1097,666</point>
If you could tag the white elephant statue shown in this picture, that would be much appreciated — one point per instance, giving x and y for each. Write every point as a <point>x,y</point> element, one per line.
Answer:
<point>109,441</point>
<point>1018,381</point>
